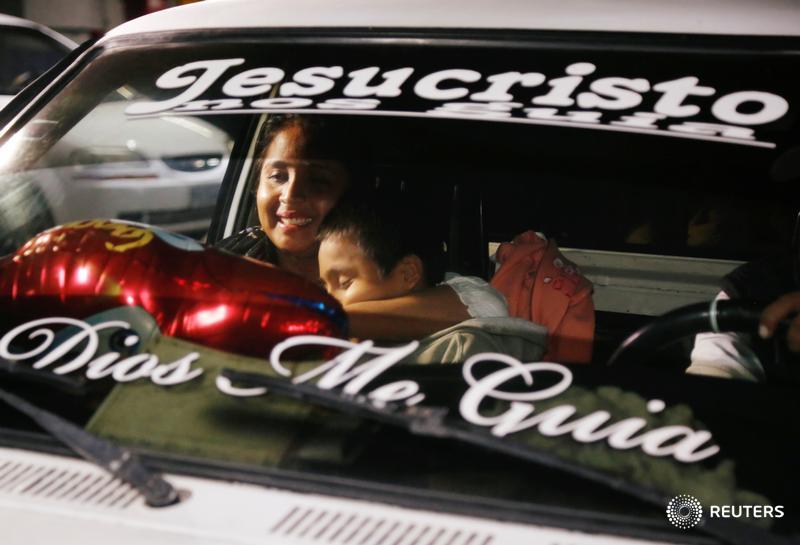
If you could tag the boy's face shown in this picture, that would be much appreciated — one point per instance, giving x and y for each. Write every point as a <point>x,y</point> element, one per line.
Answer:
<point>351,277</point>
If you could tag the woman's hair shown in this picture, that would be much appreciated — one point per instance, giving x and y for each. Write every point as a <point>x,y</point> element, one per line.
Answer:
<point>329,137</point>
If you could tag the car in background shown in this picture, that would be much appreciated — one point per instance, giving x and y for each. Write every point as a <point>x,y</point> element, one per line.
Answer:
<point>27,50</point>
<point>656,146</point>
<point>167,176</point>
<point>161,173</point>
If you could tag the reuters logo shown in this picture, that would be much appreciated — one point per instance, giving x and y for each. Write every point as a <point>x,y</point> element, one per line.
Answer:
<point>684,511</point>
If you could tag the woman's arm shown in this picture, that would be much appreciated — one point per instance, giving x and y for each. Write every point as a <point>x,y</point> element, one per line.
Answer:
<point>408,317</point>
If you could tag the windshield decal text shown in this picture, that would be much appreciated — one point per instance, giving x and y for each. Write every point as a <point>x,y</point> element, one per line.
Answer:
<point>681,442</point>
<point>579,97</point>
<point>354,369</point>
<point>81,346</point>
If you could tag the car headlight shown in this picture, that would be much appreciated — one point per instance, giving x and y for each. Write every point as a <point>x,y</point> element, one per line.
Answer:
<point>193,163</point>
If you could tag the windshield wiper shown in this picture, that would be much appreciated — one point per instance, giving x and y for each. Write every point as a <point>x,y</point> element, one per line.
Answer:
<point>120,462</point>
<point>62,382</point>
<point>433,422</point>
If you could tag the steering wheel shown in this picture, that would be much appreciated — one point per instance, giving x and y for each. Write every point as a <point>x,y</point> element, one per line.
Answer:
<point>733,316</point>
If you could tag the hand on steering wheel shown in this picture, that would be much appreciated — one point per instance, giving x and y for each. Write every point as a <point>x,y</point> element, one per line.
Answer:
<point>779,310</point>
<point>719,316</point>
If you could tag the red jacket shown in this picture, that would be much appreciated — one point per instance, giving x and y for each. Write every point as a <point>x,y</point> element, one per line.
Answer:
<point>543,286</point>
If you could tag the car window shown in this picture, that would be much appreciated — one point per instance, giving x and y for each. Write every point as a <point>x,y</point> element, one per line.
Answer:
<point>633,189</point>
<point>25,55</point>
<point>161,171</point>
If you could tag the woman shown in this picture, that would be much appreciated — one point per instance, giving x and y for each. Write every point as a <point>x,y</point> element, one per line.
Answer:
<point>303,173</point>
<point>309,164</point>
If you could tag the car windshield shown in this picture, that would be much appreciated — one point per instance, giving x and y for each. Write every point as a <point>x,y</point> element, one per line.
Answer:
<point>149,207</point>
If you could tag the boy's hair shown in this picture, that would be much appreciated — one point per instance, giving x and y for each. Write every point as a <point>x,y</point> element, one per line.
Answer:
<point>386,234</point>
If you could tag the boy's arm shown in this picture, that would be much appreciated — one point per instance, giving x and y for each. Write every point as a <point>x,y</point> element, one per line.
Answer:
<point>409,317</point>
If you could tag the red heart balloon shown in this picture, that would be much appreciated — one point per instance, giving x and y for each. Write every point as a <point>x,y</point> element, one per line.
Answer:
<point>193,292</point>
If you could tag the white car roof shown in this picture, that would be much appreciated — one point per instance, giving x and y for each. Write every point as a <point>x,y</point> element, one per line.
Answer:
<point>728,17</point>
<point>10,20</point>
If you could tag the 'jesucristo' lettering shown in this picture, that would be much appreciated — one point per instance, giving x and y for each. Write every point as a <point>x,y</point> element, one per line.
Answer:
<point>575,97</point>
<point>356,367</point>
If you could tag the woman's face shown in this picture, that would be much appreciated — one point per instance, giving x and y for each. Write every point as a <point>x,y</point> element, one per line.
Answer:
<point>296,192</point>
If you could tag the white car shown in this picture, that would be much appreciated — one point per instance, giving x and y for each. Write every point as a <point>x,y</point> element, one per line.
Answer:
<point>636,154</point>
<point>27,50</point>
<point>162,173</point>
<point>167,175</point>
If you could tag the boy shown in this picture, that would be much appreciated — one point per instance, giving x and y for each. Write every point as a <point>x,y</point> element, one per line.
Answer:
<point>371,252</point>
